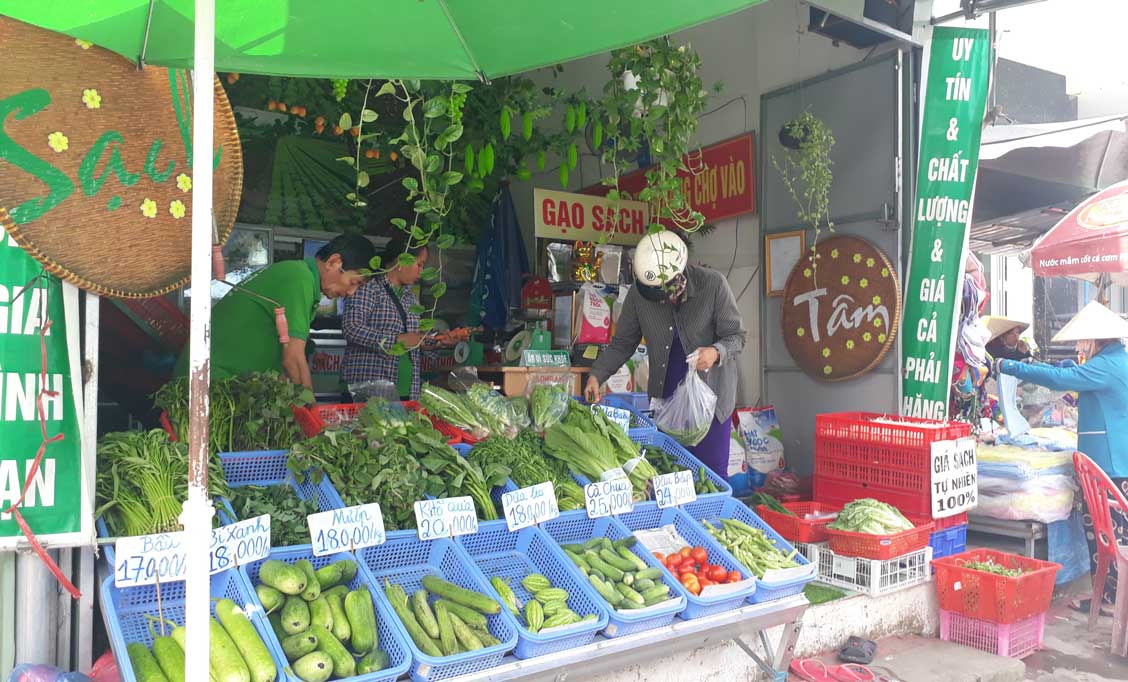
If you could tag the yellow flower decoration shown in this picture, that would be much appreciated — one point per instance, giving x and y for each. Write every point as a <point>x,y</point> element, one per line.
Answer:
<point>177,209</point>
<point>866,337</point>
<point>58,142</point>
<point>184,182</point>
<point>800,332</point>
<point>869,262</point>
<point>877,323</point>
<point>91,98</point>
<point>857,258</point>
<point>86,45</point>
<point>876,300</point>
<point>850,344</point>
<point>826,352</point>
<point>807,273</point>
<point>885,272</point>
<point>834,253</point>
<point>863,282</point>
<point>845,279</point>
<point>149,208</point>
<point>881,338</point>
<point>827,369</point>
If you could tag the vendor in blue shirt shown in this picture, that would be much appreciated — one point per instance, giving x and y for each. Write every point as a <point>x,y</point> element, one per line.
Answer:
<point>1102,411</point>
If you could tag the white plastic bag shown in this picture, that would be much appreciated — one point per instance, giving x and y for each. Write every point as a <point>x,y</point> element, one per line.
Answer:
<point>688,414</point>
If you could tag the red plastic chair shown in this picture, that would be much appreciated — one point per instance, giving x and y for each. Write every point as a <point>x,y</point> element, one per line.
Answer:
<point>1101,497</point>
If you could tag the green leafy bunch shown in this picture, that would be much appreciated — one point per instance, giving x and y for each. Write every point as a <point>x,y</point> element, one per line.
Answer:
<point>806,171</point>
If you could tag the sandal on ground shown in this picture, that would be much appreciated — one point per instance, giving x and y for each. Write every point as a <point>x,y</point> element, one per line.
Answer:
<point>1083,606</point>
<point>810,669</point>
<point>858,650</point>
<point>851,672</point>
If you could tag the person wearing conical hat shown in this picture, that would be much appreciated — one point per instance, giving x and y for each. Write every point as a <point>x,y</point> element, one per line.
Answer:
<point>1102,410</point>
<point>1006,338</point>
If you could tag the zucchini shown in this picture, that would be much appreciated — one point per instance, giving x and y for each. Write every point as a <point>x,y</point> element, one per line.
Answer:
<point>283,577</point>
<point>468,615</point>
<point>247,640</point>
<point>375,661</point>
<point>362,620</point>
<point>170,657</point>
<point>145,666</point>
<point>313,587</point>
<point>424,615</point>
<point>316,666</point>
<point>348,569</point>
<point>226,662</point>
<point>295,616</point>
<point>447,641</point>
<point>460,595</point>
<point>343,663</point>
<point>465,635</point>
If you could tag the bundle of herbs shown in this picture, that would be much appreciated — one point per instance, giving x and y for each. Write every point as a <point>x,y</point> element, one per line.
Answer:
<point>287,511</point>
<point>250,412</point>
<point>142,482</point>
<point>524,456</point>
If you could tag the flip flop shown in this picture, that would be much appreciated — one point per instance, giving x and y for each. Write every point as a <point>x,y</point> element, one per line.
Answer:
<point>858,650</point>
<point>851,672</point>
<point>1082,606</point>
<point>810,669</point>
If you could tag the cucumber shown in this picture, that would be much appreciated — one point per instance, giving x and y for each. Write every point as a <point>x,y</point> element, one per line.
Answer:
<point>343,663</point>
<point>424,615</point>
<point>328,576</point>
<point>296,646</point>
<point>227,663</point>
<point>575,548</point>
<point>170,657</point>
<point>315,666</point>
<point>460,595</point>
<point>631,557</point>
<point>465,635</point>
<point>617,561</point>
<point>320,613</point>
<point>649,574</point>
<point>362,620</point>
<point>341,628</point>
<point>313,587</point>
<point>283,577</point>
<point>606,543</point>
<point>656,592</point>
<point>612,572</point>
<point>271,599</point>
<point>247,640</point>
<point>606,590</point>
<point>468,615</point>
<point>145,666</point>
<point>506,593</point>
<point>398,599</point>
<point>643,585</point>
<point>486,638</point>
<point>594,543</point>
<point>447,641</point>
<point>628,578</point>
<point>295,616</point>
<point>626,542</point>
<point>629,593</point>
<point>375,661</point>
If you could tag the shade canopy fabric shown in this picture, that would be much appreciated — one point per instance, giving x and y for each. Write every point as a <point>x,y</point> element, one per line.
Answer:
<point>425,39</point>
<point>1089,241</point>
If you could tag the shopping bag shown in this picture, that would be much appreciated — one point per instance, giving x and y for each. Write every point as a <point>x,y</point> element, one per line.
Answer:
<point>688,414</point>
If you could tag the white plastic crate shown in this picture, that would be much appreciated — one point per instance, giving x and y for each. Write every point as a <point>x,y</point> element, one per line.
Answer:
<point>810,550</point>
<point>874,577</point>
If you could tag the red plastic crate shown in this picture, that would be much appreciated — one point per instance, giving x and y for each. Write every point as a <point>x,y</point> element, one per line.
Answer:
<point>1016,640</point>
<point>856,456</point>
<point>796,528</point>
<point>991,597</point>
<point>868,546</point>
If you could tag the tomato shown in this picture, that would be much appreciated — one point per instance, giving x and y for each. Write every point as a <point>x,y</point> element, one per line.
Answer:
<point>734,577</point>
<point>718,574</point>
<point>691,583</point>
<point>686,552</point>
<point>673,561</point>
<point>705,582</point>
<point>687,570</point>
<point>660,557</point>
<point>699,555</point>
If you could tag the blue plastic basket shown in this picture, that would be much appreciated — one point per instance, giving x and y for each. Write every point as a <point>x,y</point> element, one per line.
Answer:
<point>404,560</point>
<point>620,622</point>
<point>511,557</point>
<point>222,509</point>
<point>124,612</point>
<point>391,641</point>
<point>639,402</point>
<point>647,515</point>
<point>639,423</point>
<point>683,458</point>
<point>713,510</point>
<point>948,541</point>
<point>268,468</point>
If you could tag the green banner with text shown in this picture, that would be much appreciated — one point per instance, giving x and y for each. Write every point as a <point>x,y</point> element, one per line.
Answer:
<point>53,507</point>
<point>957,75</point>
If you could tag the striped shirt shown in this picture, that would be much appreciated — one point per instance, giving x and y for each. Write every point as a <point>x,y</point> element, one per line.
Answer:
<point>371,325</point>
<point>708,316</point>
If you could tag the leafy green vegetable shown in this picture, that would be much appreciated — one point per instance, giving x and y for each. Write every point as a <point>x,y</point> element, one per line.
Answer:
<point>591,444</point>
<point>492,408</point>
<point>549,404</point>
<point>524,456</point>
<point>287,511</point>
<point>250,412</point>
<point>520,407</point>
<point>992,567</point>
<point>872,517</point>
<point>451,408</point>
<point>142,482</point>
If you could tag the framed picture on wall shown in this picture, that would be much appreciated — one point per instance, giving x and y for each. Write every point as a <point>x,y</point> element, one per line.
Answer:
<point>781,252</point>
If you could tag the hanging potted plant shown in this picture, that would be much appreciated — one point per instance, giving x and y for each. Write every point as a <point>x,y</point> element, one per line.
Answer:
<point>804,167</point>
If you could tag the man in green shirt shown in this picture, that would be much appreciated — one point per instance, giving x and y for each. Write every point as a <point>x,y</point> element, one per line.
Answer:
<point>244,335</point>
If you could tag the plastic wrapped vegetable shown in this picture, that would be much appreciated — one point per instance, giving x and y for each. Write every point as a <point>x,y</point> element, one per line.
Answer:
<point>548,405</point>
<point>520,407</point>
<point>442,404</point>
<point>493,409</point>
<point>872,517</point>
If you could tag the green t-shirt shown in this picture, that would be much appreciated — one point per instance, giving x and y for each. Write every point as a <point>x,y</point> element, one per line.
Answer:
<point>405,371</point>
<point>244,337</point>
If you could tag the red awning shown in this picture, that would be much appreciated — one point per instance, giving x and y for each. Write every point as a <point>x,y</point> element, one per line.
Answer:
<point>1092,239</point>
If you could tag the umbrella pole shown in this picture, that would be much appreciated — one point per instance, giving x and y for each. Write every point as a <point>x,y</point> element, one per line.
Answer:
<point>197,514</point>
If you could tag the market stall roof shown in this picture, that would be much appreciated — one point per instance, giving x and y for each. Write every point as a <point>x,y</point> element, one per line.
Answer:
<point>1090,241</point>
<point>426,39</point>
<point>1013,234</point>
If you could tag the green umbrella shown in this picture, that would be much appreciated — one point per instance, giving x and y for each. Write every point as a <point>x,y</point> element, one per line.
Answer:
<point>441,39</point>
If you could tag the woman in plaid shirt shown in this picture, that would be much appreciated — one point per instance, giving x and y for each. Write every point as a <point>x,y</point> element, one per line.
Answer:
<point>379,315</point>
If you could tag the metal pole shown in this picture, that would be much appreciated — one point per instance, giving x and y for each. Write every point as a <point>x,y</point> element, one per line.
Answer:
<point>993,32</point>
<point>84,638</point>
<point>198,511</point>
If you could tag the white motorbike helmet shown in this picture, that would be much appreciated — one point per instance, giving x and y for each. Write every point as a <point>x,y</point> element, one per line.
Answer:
<point>659,258</point>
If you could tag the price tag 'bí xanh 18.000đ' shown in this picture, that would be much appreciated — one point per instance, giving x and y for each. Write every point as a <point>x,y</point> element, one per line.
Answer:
<point>447,518</point>
<point>345,530</point>
<point>530,506</point>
